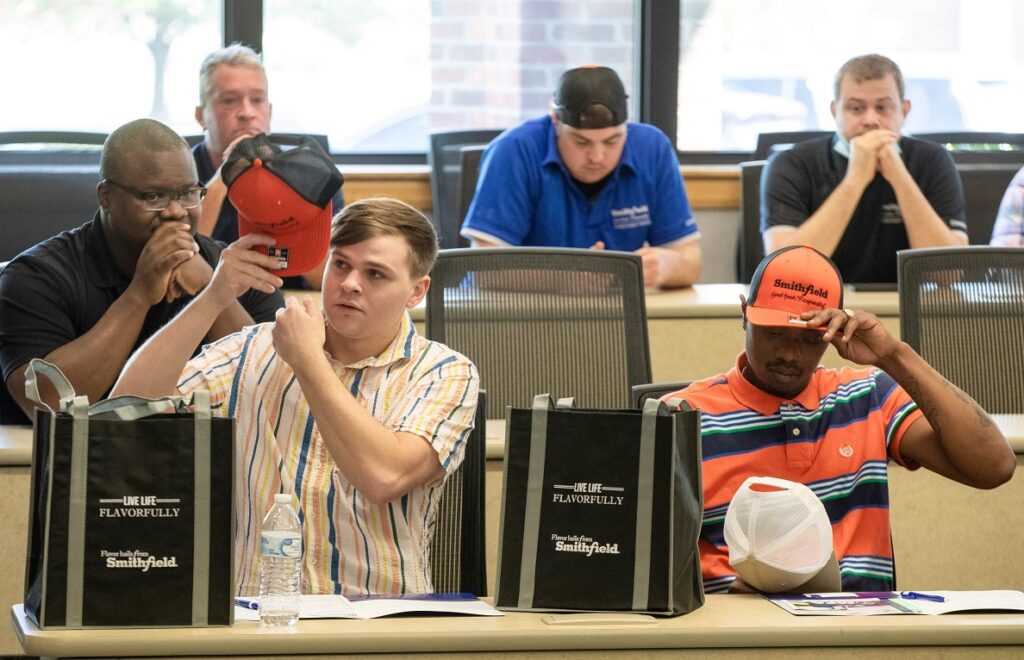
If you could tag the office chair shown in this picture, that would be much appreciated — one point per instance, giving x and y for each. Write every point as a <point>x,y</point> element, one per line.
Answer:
<point>284,139</point>
<point>646,391</point>
<point>458,561</point>
<point>469,174</point>
<point>565,321</point>
<point>749,247</point>
<point>47,183</point>
<point>51,148</point>
<point>769,143</point>
<point>445,159</point>
<point>984,185</point>
<point>962,309</point>
<point>979,146</point>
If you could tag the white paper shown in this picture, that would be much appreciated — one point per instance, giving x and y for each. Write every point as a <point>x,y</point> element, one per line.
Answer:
<point>847,604</point>
<point>338,607</point>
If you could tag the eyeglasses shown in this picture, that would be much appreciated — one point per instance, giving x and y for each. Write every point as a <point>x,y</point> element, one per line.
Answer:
<point>158,201</point>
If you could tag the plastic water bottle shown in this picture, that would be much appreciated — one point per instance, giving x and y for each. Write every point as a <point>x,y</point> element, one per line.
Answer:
<point>280,563</point>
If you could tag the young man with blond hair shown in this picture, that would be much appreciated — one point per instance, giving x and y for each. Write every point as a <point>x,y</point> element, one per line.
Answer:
<point>344,405</point>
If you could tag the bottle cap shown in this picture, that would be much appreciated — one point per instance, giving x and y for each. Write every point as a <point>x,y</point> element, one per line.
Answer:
<point>283,498</point>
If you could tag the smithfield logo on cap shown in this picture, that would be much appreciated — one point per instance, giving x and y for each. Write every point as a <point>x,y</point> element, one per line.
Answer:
<point>805,289</point>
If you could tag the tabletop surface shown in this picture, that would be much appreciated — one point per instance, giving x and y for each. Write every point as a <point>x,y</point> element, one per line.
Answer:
<point>724,621</point>
<point>16,441</point>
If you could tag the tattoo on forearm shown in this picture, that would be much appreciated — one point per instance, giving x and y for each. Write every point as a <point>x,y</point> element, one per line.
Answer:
<point>932,410</point>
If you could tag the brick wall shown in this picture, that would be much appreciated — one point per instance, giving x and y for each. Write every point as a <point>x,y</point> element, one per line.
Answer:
<point>496,62</point>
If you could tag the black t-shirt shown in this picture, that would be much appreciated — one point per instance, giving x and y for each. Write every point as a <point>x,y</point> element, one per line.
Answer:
<point>796,182</point>
<point>56,291</point>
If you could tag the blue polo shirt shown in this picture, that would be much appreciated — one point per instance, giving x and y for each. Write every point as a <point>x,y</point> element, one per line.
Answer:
<point>526,196</point>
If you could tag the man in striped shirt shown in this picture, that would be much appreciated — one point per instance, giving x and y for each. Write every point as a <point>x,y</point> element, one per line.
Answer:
<point>344,407</point>
<point>778,413</point>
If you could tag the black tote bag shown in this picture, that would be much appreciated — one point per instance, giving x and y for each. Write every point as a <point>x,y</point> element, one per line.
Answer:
<point>601,510</point>
<point>131,512</point>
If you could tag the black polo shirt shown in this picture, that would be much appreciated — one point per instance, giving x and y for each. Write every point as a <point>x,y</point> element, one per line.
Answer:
<point>796,182</point>
<point>56,291</point>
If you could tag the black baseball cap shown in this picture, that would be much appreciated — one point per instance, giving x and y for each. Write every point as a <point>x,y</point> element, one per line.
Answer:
<point>585,86</point>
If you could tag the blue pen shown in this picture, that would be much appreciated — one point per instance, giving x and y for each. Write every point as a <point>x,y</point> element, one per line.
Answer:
<point>247,603</point>
<point>917,595</point>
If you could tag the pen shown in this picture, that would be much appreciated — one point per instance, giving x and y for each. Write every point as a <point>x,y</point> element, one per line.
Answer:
<point>247,603</point>
<point>848,595</point>
<point>916,595</point>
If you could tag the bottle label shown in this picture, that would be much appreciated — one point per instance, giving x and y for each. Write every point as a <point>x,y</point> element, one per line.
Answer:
<point>280,544</point>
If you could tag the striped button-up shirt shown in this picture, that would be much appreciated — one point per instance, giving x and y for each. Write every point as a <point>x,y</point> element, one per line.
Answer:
<point>351,545</point>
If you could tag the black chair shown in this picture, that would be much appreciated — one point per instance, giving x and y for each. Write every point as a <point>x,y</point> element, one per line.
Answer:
<point>769,143</point>
<point>984,185</point>
<point>564,321</point>
<point>51,148</point>
<point>646,391</point>
<point>284,139</point>
<point>445,159</point>
<point>979,146</point>
<point>47,183</point>
<point>750,246</point>
<point>469,174</point>
<point>962,309</point>
<point>458,561</point>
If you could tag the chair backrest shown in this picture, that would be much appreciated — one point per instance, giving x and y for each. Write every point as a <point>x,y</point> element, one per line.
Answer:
<point>44,192</point>
<point>458,559</point>
<point>769,143</point>
<point>984,185</point>
<point>564,321</point>
<point>286,139</point>
<point>51,148</point>
<point>445,158</point>
<point>962,309</point>
<point>469,173</point>
<point>979,146</point>
<point>646,391</point>
<point>749,247</point>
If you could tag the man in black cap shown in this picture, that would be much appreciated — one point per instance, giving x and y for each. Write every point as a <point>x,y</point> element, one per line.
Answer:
<point>583,177</point>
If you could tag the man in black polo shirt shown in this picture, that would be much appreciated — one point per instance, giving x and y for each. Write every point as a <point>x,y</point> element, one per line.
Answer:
<point>86,298</point>
<point>862,194</point>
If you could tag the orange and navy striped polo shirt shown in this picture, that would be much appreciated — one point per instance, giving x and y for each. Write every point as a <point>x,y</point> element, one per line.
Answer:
<point>835,437</point>
<point>351,545</point>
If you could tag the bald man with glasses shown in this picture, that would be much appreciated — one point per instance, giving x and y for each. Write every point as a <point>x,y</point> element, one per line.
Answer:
<point>86,298</point>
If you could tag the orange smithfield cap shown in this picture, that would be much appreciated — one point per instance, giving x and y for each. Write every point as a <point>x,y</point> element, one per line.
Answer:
<point>791,281</point>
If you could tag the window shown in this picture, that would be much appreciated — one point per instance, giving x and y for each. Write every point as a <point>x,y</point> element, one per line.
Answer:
<point>753,66</point>
<point>381,75</point>
<point>92,66</point>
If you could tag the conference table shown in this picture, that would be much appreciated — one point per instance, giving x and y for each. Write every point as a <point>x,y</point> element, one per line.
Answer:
<point>725,627</point>
<point>940,529</point>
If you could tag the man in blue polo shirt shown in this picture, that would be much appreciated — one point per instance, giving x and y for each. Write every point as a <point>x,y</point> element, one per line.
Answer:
<point>583,177</point>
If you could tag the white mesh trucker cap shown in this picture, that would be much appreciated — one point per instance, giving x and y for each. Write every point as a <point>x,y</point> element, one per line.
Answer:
<point>780,538</point>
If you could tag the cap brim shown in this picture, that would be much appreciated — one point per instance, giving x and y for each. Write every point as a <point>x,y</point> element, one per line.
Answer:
<point>777,318</point>
<point>827,580</point>
<point>770,579</point>
<point>307,246</point>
